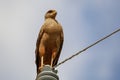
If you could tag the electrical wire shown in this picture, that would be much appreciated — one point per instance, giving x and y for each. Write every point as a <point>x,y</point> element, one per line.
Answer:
<point>98,41</point>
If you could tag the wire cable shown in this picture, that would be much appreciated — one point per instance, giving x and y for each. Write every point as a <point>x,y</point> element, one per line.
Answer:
<point>98,41</point>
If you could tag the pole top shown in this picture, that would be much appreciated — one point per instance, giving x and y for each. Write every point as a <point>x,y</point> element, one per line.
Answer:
<point>47,73</point>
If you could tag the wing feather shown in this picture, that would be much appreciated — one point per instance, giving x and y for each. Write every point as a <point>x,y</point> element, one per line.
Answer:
<point>58,54</point>
<point>37,61</point>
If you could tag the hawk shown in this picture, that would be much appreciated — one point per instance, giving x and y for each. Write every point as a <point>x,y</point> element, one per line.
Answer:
<point>49,42</point>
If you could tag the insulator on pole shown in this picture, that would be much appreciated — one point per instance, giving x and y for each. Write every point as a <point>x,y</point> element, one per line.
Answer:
<point>47,73</point>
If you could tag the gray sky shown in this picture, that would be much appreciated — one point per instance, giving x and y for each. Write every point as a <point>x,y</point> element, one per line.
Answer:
<point>83,21</point>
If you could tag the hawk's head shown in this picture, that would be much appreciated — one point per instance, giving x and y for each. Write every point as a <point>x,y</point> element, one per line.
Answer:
<point>51,14</point>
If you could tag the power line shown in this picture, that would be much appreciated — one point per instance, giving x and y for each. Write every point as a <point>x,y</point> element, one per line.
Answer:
<point>87,47</point>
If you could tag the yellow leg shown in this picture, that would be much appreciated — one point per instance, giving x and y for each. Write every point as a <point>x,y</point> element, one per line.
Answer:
<point>52,62</point>
<point>53,57</point>
<point>40,67</point>
<point>42,62</point>
<point>42,52</point>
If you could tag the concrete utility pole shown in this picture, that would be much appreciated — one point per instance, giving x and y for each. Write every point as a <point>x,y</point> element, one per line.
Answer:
<point>47,73</point>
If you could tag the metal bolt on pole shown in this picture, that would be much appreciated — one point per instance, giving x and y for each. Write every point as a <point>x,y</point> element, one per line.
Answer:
<point>47,73</point>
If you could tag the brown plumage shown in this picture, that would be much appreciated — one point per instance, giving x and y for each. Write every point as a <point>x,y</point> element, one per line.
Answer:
<point>49,42</point>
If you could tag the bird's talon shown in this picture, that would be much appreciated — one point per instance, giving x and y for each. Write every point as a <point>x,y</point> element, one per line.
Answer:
<point>40,68</point>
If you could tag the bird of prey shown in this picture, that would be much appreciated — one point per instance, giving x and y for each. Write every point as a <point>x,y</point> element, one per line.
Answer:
<point>49,42</point>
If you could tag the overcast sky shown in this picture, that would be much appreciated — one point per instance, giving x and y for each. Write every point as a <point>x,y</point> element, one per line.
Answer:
<point>83,21</point>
